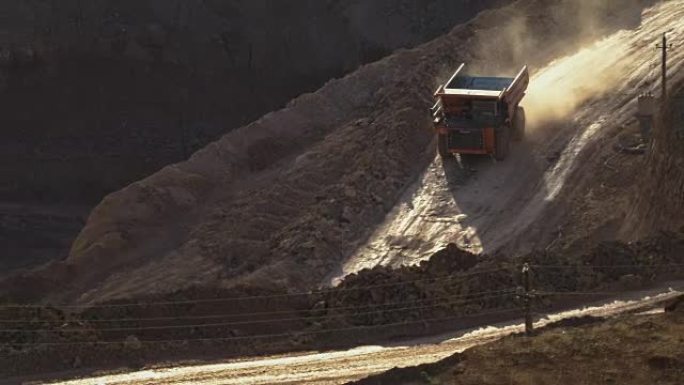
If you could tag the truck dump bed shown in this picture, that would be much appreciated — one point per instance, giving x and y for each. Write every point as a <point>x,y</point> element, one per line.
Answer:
<point>462,86</point>
<point>479,114</point>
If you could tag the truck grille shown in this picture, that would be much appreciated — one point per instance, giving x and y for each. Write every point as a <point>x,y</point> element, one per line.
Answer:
<point>470,140</point>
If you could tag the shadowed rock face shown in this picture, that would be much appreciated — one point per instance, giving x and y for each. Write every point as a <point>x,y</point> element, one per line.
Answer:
<point>97,94</point>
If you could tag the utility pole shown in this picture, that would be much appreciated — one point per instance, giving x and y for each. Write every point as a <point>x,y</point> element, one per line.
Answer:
<point>664,47</point>
<point>529,324</point>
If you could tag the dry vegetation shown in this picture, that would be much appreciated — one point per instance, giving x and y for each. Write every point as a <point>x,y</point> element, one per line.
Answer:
<point>629,350</point>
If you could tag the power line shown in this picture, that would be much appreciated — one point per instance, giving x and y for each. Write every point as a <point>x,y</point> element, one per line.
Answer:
<point>332,290</point>
<point>264,336</point>
<point>310,293</point>
<point>500,293</point>
<point>255,297</point>
<point>607,266</point>
<point>664,47</point>
<point>199,326</point>
<point>476,295</point>
<point>468,297</point>
<point>587,293</point>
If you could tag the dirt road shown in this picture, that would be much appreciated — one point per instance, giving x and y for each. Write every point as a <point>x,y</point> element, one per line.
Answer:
<point>343,366</point>
<point>482,206</point>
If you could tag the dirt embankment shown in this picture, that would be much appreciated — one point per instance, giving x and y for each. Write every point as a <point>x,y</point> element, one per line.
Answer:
<point>567,187</point>
<point>98,94</point>
<point>626,350</point>
<point>480,283</point>
<point>283,201</point>
<point>627,196</point>
<point>454,289</point>
<point>610,193</point>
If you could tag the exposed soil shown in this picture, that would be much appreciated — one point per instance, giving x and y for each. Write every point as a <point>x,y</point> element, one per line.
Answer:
<point>284,201</point>
<point>339,367</point>
<point>300,198</point>
<point>566,188</point>
<point>454,289</point>
<point>98,94</point>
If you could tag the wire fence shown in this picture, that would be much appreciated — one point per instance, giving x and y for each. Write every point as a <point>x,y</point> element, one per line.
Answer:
<point>269,313</point>
<point>259,297</point>
<point>414,312</point>
<point>277,320</point>
<point>662,266</point>
<point>277,335</point>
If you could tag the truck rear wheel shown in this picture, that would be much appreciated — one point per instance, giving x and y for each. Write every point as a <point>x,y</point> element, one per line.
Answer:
<point>443,146</point>
<point>503,142</point>
<point>519,124</point>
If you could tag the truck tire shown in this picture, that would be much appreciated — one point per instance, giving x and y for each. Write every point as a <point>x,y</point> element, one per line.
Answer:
<point>519,124</point>
<point>503,142</point>
<point>443,146</point>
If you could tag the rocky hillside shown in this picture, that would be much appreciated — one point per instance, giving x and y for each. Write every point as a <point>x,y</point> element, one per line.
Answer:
<point>282,201</point>
<point>98,94</point>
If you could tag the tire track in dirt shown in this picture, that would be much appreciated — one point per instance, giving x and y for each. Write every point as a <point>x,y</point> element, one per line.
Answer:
<point>496,203</point>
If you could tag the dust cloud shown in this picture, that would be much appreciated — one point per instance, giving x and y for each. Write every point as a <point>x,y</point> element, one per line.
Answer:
<point>591,68</point>
<point>624,62</point>
<point>557,90</point>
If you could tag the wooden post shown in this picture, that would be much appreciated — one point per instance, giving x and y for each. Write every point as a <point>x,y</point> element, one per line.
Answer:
<point>664,47</point>
<point>529,324</point>
<point>664,68</point>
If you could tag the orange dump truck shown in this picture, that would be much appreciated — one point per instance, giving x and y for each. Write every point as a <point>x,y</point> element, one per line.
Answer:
<point>478,114</point>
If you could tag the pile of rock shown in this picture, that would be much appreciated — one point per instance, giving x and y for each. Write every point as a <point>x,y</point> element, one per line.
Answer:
<point>454,282</point>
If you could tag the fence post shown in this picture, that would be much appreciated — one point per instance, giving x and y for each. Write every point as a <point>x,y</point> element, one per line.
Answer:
<point>529,324</point>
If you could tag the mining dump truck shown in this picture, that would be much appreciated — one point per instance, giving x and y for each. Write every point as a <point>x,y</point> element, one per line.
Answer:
<point>479,115</point>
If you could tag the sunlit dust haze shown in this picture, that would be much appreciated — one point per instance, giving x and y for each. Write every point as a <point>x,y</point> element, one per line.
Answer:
<point>559,89</point>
